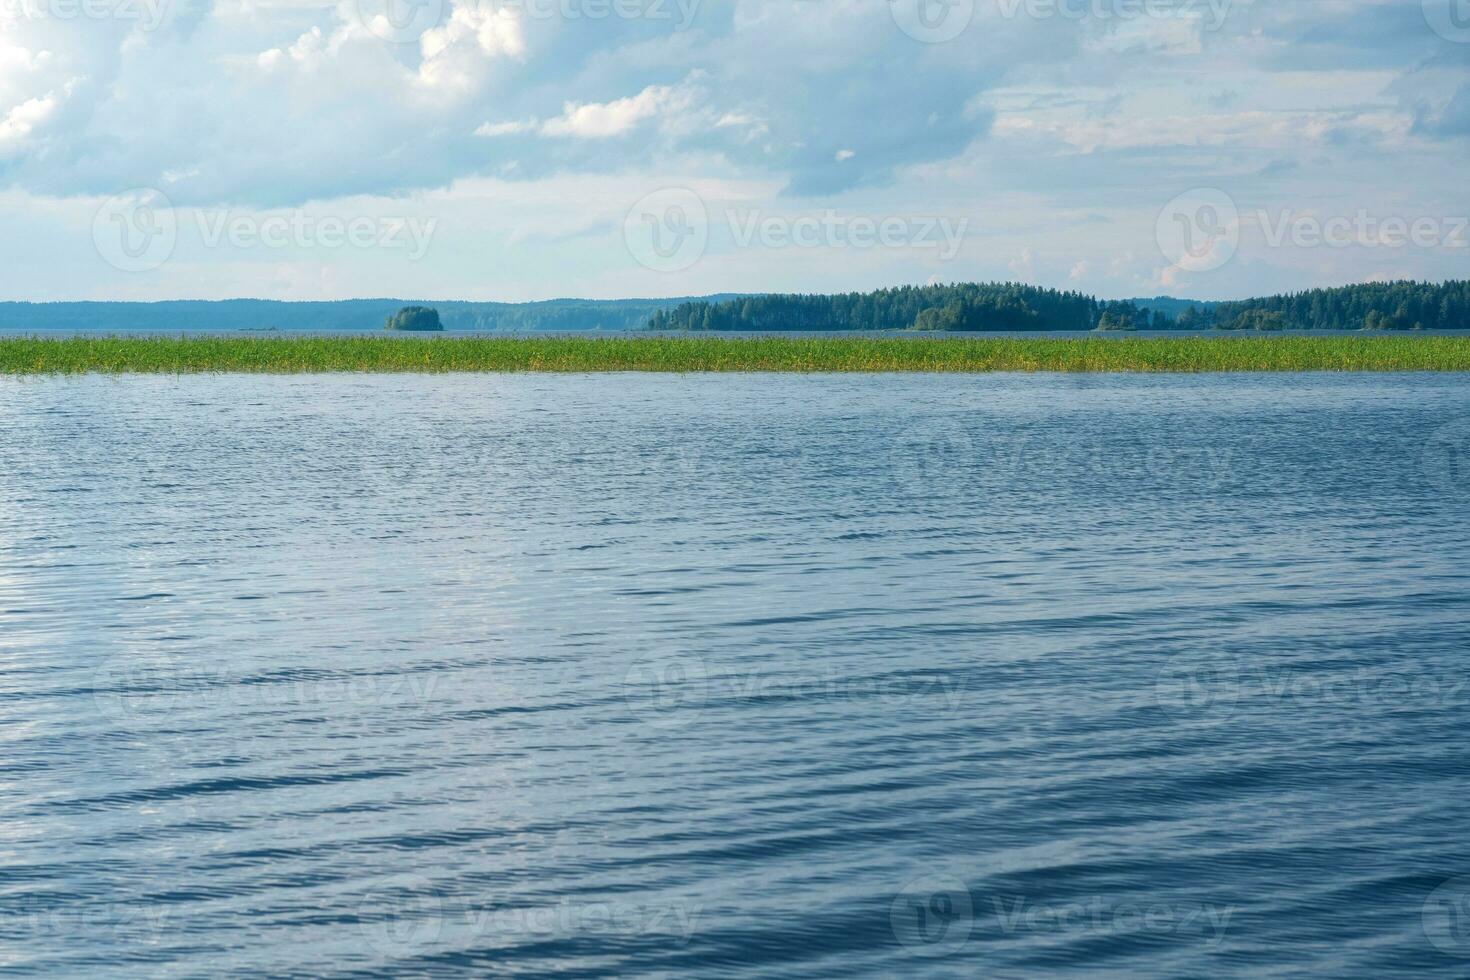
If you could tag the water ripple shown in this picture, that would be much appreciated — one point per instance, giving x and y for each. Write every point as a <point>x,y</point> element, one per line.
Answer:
<point>734,676</point>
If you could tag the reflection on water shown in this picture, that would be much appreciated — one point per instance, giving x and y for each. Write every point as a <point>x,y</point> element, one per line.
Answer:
<point>738,675</point>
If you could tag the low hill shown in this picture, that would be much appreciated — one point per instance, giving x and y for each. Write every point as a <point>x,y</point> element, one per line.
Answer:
<point>1008,306</point>
<point>356,314</point>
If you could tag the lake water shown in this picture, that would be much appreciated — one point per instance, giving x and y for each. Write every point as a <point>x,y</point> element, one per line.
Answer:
<point>727,676</point>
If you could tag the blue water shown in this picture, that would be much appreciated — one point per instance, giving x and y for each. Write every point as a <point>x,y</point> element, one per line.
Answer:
<point>736,676</point>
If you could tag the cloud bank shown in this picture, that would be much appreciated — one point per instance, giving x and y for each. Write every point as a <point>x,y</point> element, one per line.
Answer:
<point>1056,125</point>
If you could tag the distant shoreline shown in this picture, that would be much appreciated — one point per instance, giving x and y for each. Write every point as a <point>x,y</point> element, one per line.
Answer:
<point>688,354</point>
<point>963,308</point>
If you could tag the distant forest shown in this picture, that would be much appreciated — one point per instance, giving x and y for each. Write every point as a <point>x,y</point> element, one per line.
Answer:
<point>356,314</point>
<point>958,307</point>
<point>1014,306</point>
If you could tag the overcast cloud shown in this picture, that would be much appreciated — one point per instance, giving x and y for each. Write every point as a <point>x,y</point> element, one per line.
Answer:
<point>1073,139</point>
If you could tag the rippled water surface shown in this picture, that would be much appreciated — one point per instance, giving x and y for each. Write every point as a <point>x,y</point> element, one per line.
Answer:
<point>735,676</point>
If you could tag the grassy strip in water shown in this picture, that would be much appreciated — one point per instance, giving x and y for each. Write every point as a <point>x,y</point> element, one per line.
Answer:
<point>182,355</point>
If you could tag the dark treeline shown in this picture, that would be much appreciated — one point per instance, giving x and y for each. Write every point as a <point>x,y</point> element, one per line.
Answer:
<point>1369,306</point>
<point>959,307</point>
<point>357,314</point>
<point>965,306</point>
<point>1014,306</point>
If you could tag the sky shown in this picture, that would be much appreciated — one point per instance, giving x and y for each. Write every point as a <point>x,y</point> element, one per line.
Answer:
<point>533,149</point>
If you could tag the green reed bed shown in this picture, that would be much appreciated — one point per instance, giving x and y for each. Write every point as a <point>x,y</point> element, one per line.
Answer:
<point>185,355</point>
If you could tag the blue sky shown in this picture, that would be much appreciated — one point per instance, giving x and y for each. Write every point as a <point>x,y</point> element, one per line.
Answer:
<point>528,149</point>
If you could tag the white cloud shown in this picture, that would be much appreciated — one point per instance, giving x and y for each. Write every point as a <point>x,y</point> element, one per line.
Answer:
<point>506,128</point>
<point>1023,123</point>
<point>457,56</point>
<point>18,122</point>
<point>309,51</point>
<point>1264,130</point>
<point>604,120</point>
<point>1024,265</point>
